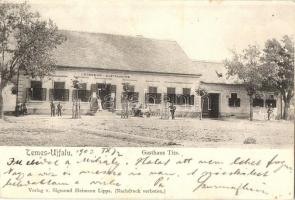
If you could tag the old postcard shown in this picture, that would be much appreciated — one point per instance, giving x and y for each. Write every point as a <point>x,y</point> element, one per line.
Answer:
<point>147,100</point>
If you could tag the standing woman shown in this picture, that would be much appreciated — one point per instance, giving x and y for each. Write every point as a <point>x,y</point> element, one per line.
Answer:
<point>99,106</point>
<point>93,103</point>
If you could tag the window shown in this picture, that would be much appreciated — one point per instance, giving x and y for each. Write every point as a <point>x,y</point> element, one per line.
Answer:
<point>36,84</point>
<point>185,98</point>
<point>152,96</point>
<point>171,96</point>
<point>234,101</point>
<point>83,86</point>
<point>170,90</point>
<point>152,89</point>
<point>271,102</point>
<point>36,92</point>
<point>59,93</point>
<point>234,95</point>
<point>258,101</point>
<point>82,94</point>
<point>59,85</point>
<point>131,88</point>
<point>186,91</point>
<point>130,94</point>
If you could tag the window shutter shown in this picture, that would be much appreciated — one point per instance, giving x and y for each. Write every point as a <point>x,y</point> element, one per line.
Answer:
<point>51,94</point>
<point>158,98</point>
<point>44,91</point>
<point>66,95</point>
<point>135,96</point>
<point>113,88</point>
<point>238,103</point>
<point>191,100</point>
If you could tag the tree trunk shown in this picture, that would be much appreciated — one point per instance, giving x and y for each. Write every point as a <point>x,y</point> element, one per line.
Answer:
<point>251,108</point>
<point>287,100</point>
<point>286,109</point>
<point>1,104</point>
<point>202,103</point>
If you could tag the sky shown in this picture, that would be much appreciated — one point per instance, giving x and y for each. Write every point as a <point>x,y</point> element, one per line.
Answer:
<point>206,30</point>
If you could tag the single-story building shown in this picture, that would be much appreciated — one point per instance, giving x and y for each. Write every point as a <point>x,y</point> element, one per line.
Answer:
<point>228,97</point>
<point>156,70</point>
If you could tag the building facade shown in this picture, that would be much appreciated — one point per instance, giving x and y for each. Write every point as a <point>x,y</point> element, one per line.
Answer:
<point>157,71</point>
<point>148,89</point>
<point>228,97</point>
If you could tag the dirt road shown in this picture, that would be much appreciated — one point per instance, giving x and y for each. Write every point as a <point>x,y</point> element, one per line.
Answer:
<point>111,130</point>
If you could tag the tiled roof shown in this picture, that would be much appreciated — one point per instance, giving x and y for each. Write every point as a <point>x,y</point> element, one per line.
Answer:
<point>118,52</point>
<point>214,72</point>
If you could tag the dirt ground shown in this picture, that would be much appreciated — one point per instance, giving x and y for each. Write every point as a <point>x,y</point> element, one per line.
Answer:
<point>111,130</point>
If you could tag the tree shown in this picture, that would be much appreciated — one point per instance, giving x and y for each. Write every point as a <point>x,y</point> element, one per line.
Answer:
<point>278,68</point>
<point>246,67</point>
<point>125,100</point>
<point>203,93</point>
<point>76,101</point>
<point>26,44</point>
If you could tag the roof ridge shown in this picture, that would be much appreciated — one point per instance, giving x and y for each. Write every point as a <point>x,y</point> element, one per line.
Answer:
<point>116,34</point>
<point>207,61</point>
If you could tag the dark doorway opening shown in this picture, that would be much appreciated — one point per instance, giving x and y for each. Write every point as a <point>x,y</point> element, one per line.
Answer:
<point>106,93</point>
<point>211,106</point>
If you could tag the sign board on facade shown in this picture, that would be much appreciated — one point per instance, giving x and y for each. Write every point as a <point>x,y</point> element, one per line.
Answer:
<point>101,75</point>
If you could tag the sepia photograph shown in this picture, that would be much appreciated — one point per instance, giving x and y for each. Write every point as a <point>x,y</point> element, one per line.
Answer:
<point>150,74</point>
<point>153,99</point>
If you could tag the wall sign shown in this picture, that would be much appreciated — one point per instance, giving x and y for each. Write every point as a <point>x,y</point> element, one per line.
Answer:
<point>104,75</point>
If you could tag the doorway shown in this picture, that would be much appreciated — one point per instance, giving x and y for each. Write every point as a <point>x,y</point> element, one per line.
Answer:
<point>211,106</point>
<point>107,94</point>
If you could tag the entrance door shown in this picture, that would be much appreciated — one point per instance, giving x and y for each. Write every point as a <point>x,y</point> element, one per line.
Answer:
<point>211,106</point>
<point>104,93</point>
<point>214,105</point>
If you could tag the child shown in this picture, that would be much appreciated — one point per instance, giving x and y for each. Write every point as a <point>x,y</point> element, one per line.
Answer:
<point>172,110</point>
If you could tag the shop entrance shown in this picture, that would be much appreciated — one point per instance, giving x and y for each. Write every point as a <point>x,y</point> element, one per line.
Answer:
<point>106,93</point>
<point>211,106</point>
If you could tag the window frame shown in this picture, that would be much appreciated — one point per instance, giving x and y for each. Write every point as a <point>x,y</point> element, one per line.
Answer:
<point>234,102</point>
<point>31,95</point>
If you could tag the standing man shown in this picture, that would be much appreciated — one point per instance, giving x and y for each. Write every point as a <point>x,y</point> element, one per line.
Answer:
<point>24,109</point>
<point>125,111</point>
<point>52,109</point>
<point>59,108</point>
<point>172,110</point>
<point>17,109</point>
<point>269,111</point>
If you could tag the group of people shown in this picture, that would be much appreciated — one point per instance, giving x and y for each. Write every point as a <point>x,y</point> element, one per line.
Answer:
<point>139,111</point>
<point>55,109</point>
<point>21,109</point>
